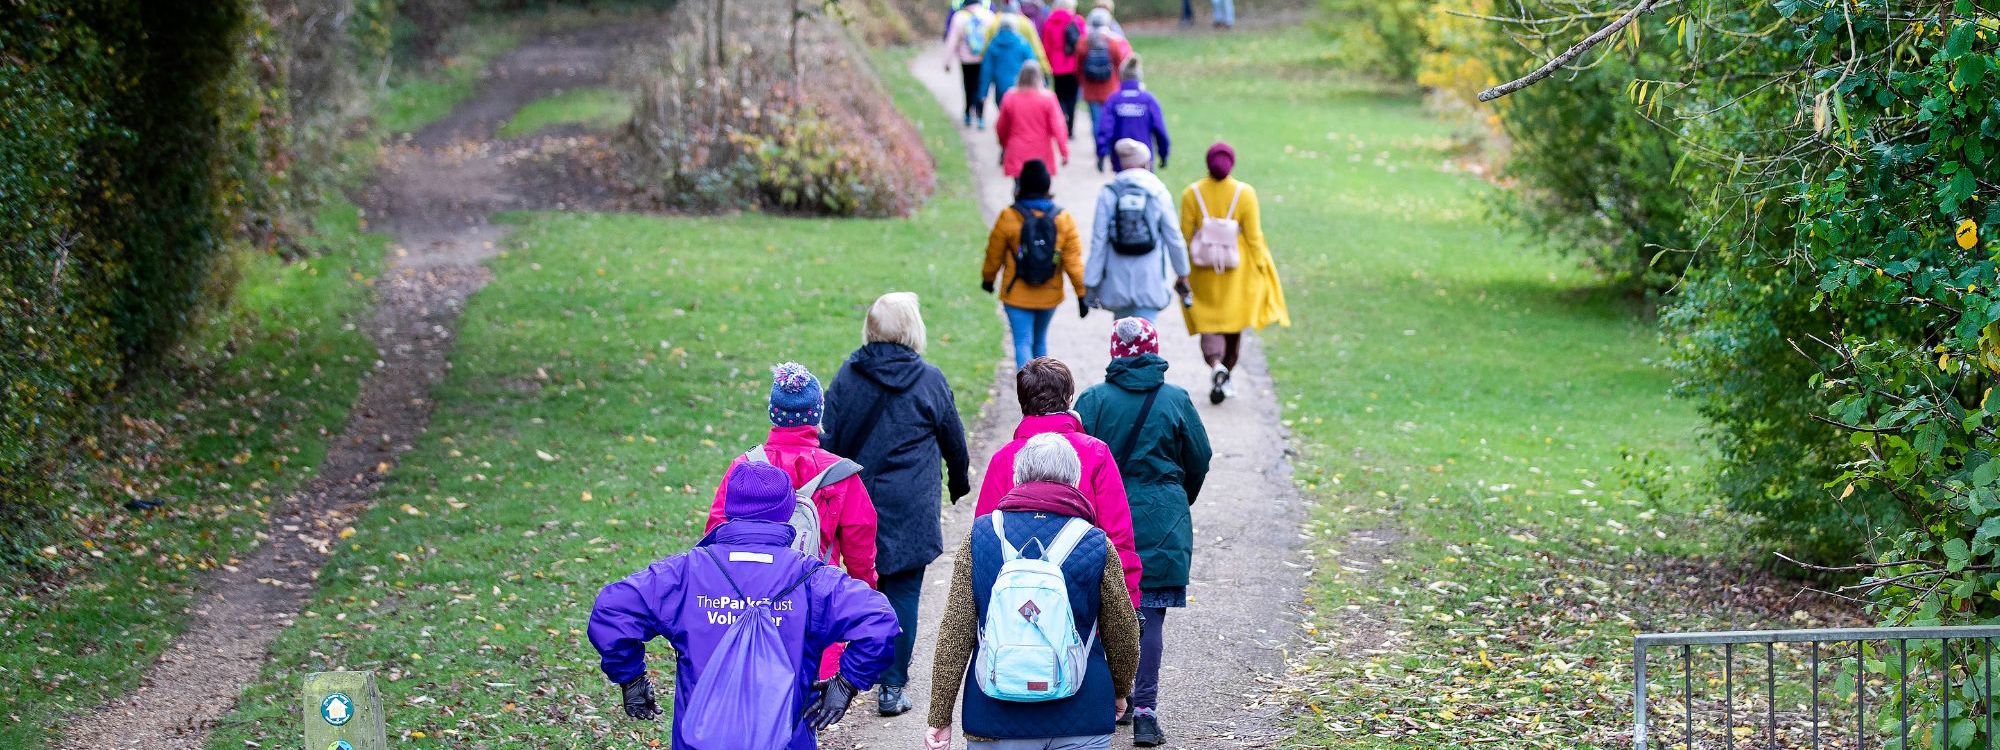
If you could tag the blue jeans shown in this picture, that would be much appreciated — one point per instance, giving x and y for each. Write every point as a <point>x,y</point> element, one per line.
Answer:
<point>903,591</point>
<point>1152,641</point>
<point>1151,315</point>
<point>1225,11</point>
<point>1031,333</point>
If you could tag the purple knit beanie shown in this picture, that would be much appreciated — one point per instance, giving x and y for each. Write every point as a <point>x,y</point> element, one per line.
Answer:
<point>758,491</point>
<point>795,396</point>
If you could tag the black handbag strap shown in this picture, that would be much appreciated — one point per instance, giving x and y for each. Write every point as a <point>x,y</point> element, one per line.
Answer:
<point>1146,409</point>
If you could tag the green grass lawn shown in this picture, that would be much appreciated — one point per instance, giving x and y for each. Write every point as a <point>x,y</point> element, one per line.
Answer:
<point>596,108</point>
<point>1449,386</point>
<point>223,433</point>
<point>601,382</point>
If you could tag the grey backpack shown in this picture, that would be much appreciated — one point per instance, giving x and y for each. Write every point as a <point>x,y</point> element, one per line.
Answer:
<point>805,512</point>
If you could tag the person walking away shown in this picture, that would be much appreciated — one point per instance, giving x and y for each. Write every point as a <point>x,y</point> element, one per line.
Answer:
<point>1030,126</point>
<point>1104,50</point>
<point>845,514</point>
<point>1163,453</point>
<point>895,414</point>
<point>1110,9</point>
<point>1225,13</point>
<point>1044,388</point>
<point>1062,38</point>
<point>1235,280</point>
<point>1132,112</point>
<point>748,618</point>
<point>1187,13</point>
<point>1135,241</point>
<point>1011,42</point>
<point>1034,245</point>
<point>1034,573</point>
<point>1036,11</point>
<point>965,41</point>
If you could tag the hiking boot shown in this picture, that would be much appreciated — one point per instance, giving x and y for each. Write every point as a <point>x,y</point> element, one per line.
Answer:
<point>1219,387</point>
<point>892,702</point>
<point>1146,730</point>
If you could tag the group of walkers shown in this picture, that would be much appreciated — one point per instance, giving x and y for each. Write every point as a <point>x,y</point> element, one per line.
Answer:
<point>804,592</point>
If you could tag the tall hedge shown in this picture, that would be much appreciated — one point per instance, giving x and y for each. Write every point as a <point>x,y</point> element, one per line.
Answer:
<point>138,141</point>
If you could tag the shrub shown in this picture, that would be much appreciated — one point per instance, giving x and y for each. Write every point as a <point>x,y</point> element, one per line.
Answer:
<point>1383,38</point>
<point>749,135</point>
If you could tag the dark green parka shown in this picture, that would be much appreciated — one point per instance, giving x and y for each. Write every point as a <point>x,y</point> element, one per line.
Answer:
<point>1163,470</point>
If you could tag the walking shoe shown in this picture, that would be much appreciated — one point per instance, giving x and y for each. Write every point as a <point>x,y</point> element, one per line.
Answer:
<point>979,122</point>
<point>1219,388</point>
<point>968,119</point>
<point>892,702</point>
<point>1125,718</point>
<point>1146,730</point>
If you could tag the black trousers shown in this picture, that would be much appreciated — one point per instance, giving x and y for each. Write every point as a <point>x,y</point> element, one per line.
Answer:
<point>975,101</point>
<point>1067,88</point>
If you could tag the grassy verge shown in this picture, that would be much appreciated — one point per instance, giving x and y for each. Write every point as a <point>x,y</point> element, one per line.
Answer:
<point>231,426</point>
<point>1489,405</point>
<point>595,108</point>
<point>601,381</point>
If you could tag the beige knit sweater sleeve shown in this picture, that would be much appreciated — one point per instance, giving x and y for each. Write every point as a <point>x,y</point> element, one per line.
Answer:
<point>958,634</point>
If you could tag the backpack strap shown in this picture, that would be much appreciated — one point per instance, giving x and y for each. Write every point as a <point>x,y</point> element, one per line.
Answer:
<point>1202,204</point>
<point>1232,201</point>
<point>1007,551</point>
<point>810,570</point>
<point>757,454</point>
<point>1132,439</point>
<point>831,475</point>
<point>1066,541</point>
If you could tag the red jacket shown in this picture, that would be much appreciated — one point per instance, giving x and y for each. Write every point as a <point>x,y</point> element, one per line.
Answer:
<point>1098,92</point>
<point>1101,484</point>
<point>846,514</point>
<point>1031,127</point>
<point>1062,59</point>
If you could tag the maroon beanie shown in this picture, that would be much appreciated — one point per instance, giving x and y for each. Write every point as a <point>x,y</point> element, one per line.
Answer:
<point>1221,159</point>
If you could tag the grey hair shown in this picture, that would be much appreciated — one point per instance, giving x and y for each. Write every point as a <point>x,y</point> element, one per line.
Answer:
<point>895,319</point>
<point>1048,458</point>
<point>1132,70</point>
<point>1030,77</point>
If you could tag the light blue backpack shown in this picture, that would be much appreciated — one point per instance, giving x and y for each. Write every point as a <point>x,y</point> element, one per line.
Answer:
<point>1029,647</point>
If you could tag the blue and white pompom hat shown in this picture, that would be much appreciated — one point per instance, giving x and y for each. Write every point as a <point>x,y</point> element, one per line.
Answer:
<point>795,396</point>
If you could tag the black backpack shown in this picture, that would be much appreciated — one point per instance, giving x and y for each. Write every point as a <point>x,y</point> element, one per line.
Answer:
<point>1131,234</point>
<point>1097,60</point>
<point>1072,33</point>
<point>1035,259</point>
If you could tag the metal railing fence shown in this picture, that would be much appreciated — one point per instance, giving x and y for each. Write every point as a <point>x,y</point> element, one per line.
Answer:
<point>1684,645</point>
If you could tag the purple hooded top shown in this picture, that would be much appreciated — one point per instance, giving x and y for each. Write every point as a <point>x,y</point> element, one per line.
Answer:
<point>1133,113</point>
<point>687,600</point>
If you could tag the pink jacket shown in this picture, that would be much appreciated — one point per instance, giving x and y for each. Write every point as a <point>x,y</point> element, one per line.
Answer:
<point>1062,59</point>
<point>1031,127</point>
<point>846,514</point>
<point>1101,484</point>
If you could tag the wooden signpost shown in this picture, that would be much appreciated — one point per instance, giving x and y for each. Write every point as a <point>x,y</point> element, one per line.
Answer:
<point>343,712</point>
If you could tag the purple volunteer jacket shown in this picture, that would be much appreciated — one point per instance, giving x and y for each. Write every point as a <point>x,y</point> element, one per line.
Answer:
<point>1132,113</point>
<point>686,599</point>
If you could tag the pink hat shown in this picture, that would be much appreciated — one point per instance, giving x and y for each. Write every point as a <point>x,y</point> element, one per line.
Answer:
<point>1131,337</point>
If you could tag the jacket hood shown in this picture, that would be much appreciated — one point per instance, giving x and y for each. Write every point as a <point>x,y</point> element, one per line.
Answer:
<point>1141,177</point>
<point>1032,426</point>
<point>894,367</point>
<point>806,436</point>
<point>1139,374</point>
<point>1049,497</point>
<point>750,532</point>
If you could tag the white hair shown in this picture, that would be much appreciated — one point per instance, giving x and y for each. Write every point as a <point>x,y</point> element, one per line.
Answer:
<point>1065,4</point>
<point>1048,457</point>
<point>895,319</point>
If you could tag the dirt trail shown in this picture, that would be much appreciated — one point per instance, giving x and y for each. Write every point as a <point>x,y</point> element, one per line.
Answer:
<point>434,193</point>
<point>1226,651</point>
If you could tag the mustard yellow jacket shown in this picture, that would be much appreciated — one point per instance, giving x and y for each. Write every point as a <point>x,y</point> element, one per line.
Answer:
<point>1001,245</point>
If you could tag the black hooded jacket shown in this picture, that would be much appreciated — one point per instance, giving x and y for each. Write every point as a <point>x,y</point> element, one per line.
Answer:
<point>894,414</point>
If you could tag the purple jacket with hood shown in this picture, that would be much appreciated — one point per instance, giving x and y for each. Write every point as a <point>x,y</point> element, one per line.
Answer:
<point>1133,113</point>
<point>687,599</point>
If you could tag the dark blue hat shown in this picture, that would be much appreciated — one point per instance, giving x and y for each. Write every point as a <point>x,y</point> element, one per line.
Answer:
<point>795,396</point>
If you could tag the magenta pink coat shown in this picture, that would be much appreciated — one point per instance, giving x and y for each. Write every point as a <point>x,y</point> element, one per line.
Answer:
<point>1031,127</point>
<point>1101,484</point>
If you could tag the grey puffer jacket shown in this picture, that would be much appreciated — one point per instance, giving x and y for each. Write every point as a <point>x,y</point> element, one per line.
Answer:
<point>1119,281</point>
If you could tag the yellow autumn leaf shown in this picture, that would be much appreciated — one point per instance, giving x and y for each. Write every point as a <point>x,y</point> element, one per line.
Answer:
<point>1968,234</point>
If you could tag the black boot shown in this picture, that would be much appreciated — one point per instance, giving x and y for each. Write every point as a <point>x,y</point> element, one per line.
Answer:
<point>1146,730</point>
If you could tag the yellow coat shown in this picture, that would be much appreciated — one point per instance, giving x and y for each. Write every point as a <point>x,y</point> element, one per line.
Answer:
<point>1247,296</point>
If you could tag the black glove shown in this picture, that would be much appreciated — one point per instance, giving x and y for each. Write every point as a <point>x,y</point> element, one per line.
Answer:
<point>639,703</point>
<point>960,487</point>
<point>1163,161</point>
<point>1083,307</point>
<point>835,695</point>
<point>1100,164</point>
<point>987,285</point>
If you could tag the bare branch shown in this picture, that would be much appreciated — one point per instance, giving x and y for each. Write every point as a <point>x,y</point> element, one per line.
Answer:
<point>1576,50</point>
